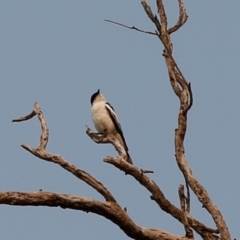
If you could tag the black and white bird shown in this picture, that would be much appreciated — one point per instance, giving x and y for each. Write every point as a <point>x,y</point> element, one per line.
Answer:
<point>106,121</point>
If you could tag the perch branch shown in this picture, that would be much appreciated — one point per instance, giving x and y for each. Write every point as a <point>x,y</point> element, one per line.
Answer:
<point>107,139</point>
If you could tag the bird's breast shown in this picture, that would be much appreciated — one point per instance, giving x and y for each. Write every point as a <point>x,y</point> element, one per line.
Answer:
<point>101,118</point>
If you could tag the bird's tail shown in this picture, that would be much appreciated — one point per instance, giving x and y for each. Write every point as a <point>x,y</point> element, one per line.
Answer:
<point>129,159</point>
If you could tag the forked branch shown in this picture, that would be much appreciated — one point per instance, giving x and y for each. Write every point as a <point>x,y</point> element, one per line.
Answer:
<point>42,154</point>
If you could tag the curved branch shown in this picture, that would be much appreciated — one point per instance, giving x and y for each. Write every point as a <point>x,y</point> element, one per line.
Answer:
<point>182,18</point>
<point>45,132</point>
<point>25,118</point>
<point>108,210</point>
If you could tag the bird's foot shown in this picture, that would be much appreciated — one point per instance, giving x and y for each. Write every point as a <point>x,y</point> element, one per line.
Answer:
<point>101,136</point>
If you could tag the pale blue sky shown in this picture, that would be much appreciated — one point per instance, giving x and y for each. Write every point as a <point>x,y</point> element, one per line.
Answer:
<point>59,52</point>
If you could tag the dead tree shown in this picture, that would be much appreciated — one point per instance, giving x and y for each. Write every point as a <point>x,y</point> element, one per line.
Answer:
<point>110,208</point>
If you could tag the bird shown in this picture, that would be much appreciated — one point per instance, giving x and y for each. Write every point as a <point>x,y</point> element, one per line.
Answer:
<point>106,121</point>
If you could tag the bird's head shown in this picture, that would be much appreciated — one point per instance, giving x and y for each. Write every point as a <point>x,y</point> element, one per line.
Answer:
<point>97,97</point>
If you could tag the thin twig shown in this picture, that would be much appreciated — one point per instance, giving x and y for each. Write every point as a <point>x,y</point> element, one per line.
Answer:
<point>147,171</point>
<point>25,118</point>
<point>134,28</point>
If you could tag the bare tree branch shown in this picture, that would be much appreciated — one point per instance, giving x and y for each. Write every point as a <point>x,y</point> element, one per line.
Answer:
<point>183,90</point>
<point>188,197</point>
<point>182,18</point>
<point>109,210</point>
<point>190,99</point>
<point>25,118</point>
<point>134,28</point>
<point>162,15</point>
<point>147,171</point>
<point>45,132</point>
<point>151,15</point>
<point>184,212</point>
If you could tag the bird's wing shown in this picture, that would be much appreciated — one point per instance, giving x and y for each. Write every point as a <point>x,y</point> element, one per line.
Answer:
<point>116,123</point>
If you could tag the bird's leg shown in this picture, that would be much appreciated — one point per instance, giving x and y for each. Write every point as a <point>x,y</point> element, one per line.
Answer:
<point>102,135</point>
<point>98,134</point>
<point>105,133</point>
